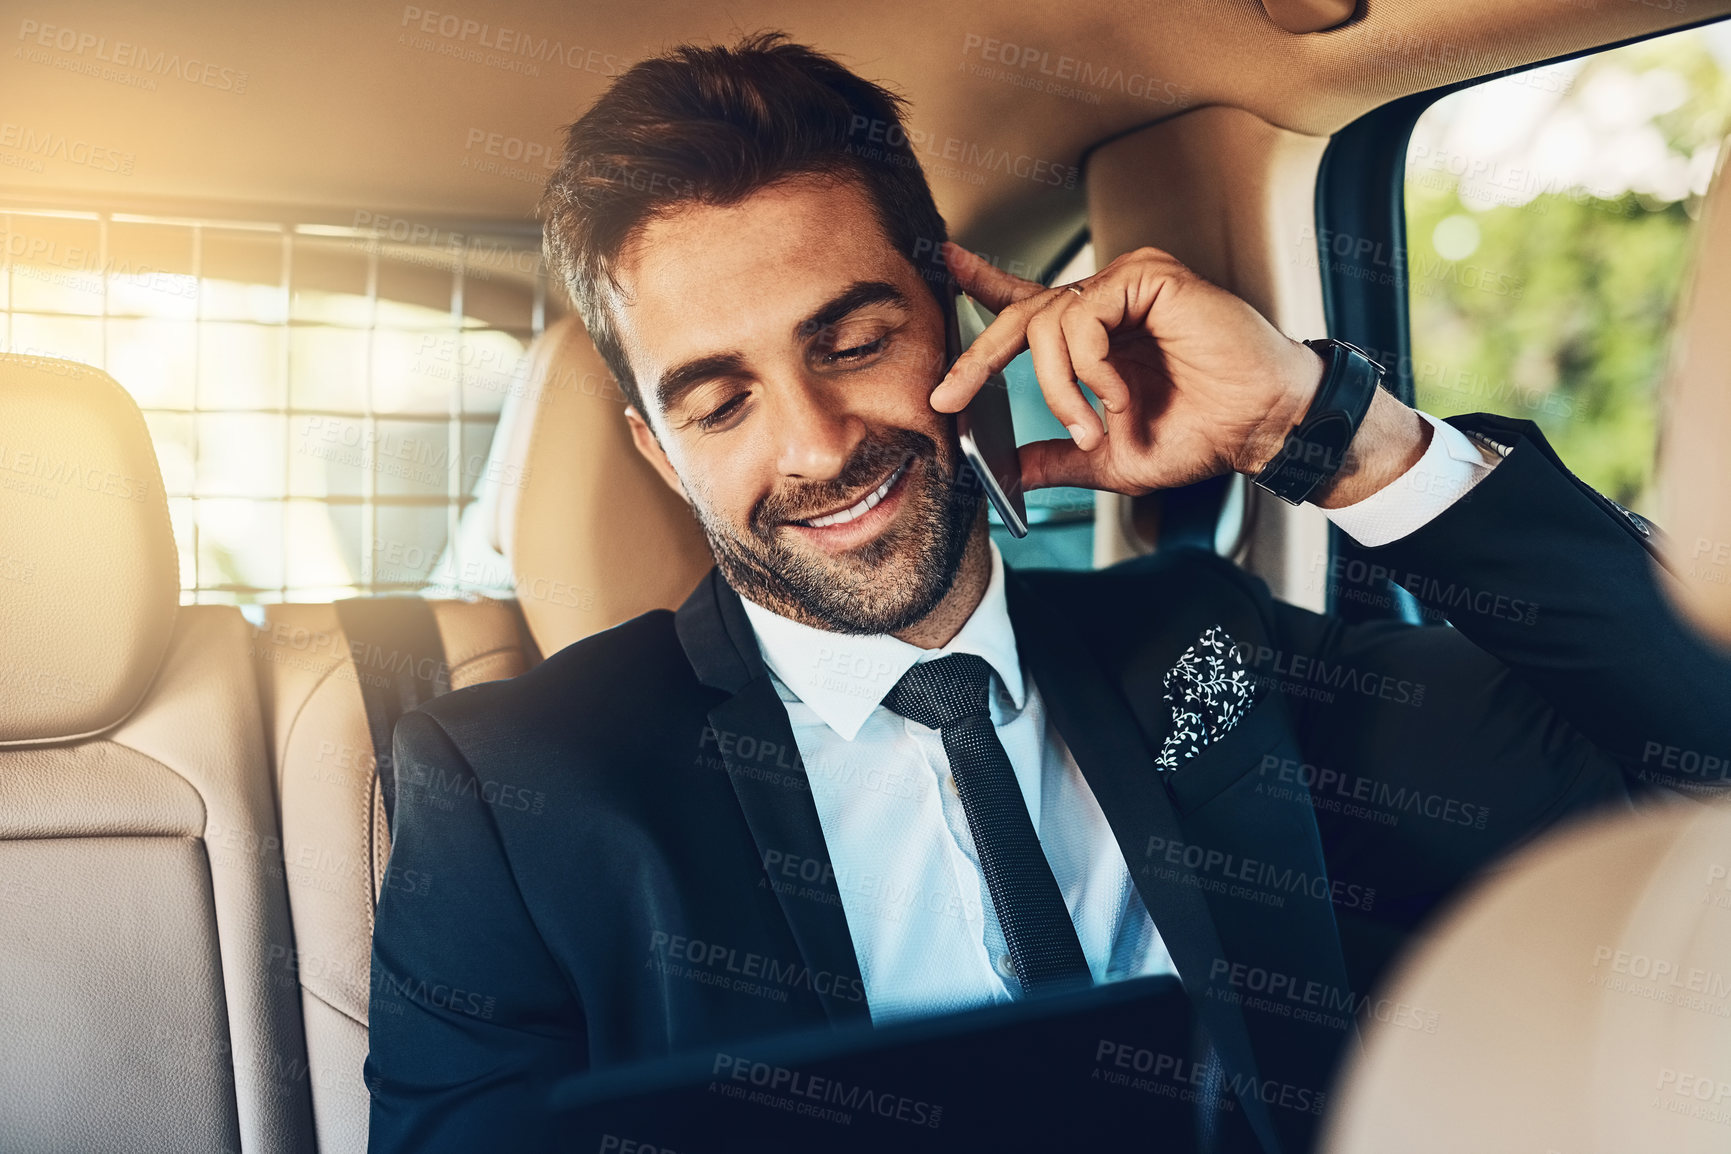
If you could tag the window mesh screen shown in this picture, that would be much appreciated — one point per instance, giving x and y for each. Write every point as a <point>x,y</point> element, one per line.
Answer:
<point>322,399</point>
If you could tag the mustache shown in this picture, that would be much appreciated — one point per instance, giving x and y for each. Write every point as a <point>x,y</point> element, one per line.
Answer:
<point>870,461</point>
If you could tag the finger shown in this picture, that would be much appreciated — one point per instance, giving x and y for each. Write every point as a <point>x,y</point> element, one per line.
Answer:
<point>1046,464</point>
<point>1057,375</point>
<point>1088,337</point>
<point>956,390</point>
<point>1000,344</point>
<point>984,281</point>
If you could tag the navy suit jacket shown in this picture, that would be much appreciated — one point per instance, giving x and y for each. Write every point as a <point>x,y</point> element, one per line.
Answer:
<point>609,836</point>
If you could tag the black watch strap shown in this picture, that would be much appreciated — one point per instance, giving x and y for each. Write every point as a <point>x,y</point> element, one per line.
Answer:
<point>1315,450</point>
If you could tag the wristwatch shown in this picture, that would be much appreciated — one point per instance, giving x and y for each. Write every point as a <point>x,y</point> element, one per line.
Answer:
<point>1316,448</point>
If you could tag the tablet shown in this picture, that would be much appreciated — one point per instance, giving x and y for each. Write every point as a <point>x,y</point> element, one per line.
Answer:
<point>1118,1061</point>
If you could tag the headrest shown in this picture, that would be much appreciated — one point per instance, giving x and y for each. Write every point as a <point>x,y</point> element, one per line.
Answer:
<point>593,535</point>
<point>1694,473</point>
<point>1578,1002</point>
<point>89,577</point>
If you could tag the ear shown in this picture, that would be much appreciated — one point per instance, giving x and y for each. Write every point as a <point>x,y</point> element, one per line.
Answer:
<point>644,438</point>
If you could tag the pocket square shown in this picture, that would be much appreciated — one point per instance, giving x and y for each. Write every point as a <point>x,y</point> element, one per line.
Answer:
<point>1208,691</point>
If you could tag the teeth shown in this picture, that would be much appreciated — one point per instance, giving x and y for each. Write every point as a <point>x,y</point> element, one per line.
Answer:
<point>860,509</point>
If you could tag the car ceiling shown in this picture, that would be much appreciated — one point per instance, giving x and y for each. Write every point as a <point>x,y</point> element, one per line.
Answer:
<point>352,108</point>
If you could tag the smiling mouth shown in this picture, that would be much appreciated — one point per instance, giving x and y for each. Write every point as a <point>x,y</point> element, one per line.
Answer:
<point>860,508</point>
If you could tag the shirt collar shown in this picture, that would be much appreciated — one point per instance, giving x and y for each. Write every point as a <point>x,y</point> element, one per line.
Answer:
<point>844,676</point>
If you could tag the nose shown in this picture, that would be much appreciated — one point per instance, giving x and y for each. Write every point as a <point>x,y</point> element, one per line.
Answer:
<point>815,432</point>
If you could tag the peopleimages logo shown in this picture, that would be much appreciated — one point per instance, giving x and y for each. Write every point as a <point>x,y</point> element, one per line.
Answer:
<point>503,45</point>
<point>716,962</point>
<point>45,144</point>
<point>1665,973</point>
<point>66,472</point>
<point>1271,665</point>
<point>1305,999</point>
<point>1182,1072</point>
<point>814,1088</point>
<point>1323,785</point>
<point>513,148</point>
<point>86,47</point>
<point>881,140</point>
<point>1071,75</point>
<point>1197,861</point>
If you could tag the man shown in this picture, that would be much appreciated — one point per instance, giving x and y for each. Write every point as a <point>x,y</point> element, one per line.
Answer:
<point>867,772</point>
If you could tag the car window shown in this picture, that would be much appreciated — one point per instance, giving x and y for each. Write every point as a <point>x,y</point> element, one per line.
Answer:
<point>321,398</point>
<point>1549,220</point>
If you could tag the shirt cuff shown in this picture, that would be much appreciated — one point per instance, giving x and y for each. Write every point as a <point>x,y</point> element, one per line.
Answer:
<point>1452,464</point>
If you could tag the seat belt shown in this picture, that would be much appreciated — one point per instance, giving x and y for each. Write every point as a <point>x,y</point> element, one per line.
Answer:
<point>400,664</point>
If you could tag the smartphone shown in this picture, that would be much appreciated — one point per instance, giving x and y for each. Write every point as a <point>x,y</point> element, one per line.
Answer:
<point>986,431</point>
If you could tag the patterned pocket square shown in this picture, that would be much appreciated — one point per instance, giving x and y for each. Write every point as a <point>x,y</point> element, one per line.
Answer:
<point>1208,691</point>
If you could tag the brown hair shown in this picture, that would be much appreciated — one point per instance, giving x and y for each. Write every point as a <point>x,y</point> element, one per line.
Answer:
<point>712,126</point>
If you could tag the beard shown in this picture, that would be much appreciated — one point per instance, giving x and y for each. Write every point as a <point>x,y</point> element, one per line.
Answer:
<point>883,586</point>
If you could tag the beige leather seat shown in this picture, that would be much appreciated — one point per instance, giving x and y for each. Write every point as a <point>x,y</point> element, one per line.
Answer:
<point>144,1000</point>
<point>594,535</point>
<point>594,538</point>
<point>1579,1003</point>
<point>335,840</point>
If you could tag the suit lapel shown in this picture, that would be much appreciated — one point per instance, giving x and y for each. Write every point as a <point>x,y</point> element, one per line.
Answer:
<point>1115,761</point>
<point>754,739</point>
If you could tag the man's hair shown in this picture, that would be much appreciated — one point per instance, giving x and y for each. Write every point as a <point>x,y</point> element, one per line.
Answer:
<point>711,126</point>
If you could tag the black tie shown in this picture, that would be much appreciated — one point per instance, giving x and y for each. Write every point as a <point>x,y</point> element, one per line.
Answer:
<point>952,695</point>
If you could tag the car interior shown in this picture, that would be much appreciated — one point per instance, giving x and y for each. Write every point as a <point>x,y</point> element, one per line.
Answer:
<point>296,433</point>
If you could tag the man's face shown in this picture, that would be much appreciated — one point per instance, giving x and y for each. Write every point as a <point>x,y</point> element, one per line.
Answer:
<point>785,352</point>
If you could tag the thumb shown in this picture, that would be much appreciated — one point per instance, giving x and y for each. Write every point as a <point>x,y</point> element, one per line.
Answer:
<point>1046,464</point>
<point>985,282</point>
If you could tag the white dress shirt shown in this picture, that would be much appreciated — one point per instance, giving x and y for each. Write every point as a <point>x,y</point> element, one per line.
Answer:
<point>916,901</point>
<point>1451,465</point>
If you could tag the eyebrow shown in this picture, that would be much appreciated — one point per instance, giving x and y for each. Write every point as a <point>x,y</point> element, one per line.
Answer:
<point>681,379</point>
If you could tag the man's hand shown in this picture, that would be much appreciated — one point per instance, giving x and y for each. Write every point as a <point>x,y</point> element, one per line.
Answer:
<point>1193,380</point>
